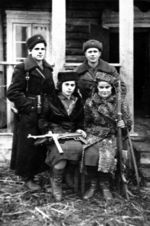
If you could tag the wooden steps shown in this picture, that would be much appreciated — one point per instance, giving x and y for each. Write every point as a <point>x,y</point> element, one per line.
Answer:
<point>142,148</point>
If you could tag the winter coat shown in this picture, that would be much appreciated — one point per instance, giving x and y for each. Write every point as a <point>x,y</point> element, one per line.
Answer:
<point>101,122</point>
<point>28,81</point>
<point>56,119</point>
<point>87,77</point>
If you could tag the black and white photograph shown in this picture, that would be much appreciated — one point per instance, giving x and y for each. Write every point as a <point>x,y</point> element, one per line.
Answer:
<point>75,113</point>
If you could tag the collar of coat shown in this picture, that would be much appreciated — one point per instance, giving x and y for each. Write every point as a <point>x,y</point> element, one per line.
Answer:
<point>102,66</point>
<point>106,107</point>
<point>63,97</point>
<point>30,63</point>
<point>99,100</point>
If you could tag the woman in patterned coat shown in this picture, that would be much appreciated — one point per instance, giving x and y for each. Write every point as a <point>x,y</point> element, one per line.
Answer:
<point>101,122</point>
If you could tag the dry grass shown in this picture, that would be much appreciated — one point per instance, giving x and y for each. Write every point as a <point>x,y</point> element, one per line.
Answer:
<point>18,206</point>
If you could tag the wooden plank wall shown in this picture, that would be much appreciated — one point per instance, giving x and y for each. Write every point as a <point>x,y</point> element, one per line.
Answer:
<point>82,16</point>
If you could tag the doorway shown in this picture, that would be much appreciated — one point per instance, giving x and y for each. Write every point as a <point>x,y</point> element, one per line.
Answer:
<point>141,73</point>
<point>141,68</point>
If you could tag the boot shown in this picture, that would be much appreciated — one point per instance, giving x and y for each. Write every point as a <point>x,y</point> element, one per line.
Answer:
<point>69,176</point>
<point>69,180</point>
<point>91,191</point>
<point>106,191</point>
<point>30,184</point>
<point>56,183</point>
<point>104,182</point>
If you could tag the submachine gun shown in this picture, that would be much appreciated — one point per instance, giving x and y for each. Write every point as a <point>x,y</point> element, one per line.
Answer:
<point>56,137</point>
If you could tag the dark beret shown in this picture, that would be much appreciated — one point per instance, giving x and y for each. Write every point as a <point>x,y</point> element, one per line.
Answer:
<point>35,39</point>
<point>92,44</point>
<point>67,76</point>
<point>103,76</point>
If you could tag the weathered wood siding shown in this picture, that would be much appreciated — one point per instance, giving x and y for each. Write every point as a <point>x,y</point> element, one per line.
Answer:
<point>84,22</point>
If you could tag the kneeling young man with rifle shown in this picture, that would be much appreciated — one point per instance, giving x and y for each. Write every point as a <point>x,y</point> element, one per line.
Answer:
<point>63,114</point>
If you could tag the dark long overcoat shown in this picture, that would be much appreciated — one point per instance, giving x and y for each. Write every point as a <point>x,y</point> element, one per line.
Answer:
<point>87,77</point>
<point>28,82</point>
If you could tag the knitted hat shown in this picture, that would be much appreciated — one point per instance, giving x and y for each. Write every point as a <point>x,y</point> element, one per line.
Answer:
<point>35,39</point>
<point>67,76</point>
<point>92,44</point>
<point>103,76</point>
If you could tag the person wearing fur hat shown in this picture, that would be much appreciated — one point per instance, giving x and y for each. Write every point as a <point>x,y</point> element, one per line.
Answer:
<point>101,122</point>
<point>63,113</point>
<point>93,63</point>
<point>31,79</point>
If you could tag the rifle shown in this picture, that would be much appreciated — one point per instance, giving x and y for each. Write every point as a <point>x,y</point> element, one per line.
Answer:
<point>133,160</point>
<point>55,137</point>
<point>122,165</point>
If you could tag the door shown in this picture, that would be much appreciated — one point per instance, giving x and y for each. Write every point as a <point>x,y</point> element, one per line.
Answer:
<point>142,72</point>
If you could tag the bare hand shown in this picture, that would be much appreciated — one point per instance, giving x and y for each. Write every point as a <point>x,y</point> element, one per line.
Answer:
<point>121,124</point>
<point>125,155</point>
<point>83,133</point>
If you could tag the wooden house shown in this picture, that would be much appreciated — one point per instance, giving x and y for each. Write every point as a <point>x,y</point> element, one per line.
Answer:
<point>122,26</point>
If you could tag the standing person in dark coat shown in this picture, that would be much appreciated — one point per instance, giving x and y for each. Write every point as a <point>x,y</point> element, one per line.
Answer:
<point>30,80</point>
<point>63,113</point>
<point>93,63</point>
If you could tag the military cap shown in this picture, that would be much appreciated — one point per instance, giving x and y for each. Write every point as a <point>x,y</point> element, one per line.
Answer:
<point>35,39</point>
<point>67,76</point>
<point>92,43</point>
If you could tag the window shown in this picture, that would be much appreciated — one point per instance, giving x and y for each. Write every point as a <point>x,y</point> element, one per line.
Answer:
<point>20,26</point>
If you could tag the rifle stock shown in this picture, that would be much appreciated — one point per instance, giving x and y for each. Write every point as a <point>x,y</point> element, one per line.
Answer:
<point>122,166</point>
<point>134,160</point>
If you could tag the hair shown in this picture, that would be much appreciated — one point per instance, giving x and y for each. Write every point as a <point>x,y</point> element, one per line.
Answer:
<point>59,87</point>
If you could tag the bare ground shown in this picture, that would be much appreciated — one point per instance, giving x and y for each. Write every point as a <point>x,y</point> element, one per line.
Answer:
<point>20,207</point>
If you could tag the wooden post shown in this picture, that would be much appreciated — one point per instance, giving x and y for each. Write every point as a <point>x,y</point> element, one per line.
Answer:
<point>58,34</point>
<point>10,70</point>
<point>126,30</point>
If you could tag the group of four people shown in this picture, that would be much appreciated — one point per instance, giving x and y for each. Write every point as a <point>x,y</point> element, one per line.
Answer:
<point>84,102</point>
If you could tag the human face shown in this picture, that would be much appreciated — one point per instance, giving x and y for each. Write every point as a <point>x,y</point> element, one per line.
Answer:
<point>68,88</point>
<point>38,52</point>
<point>104,89</point>
<point>92,55</point>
